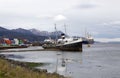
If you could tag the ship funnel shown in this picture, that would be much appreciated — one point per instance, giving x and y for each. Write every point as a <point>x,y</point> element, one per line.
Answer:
<point>63,36</point>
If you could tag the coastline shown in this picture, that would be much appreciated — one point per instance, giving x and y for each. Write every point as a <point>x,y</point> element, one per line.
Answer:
<point>12,69</point>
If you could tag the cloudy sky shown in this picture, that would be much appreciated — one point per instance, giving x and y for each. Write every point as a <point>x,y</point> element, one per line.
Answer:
<point>101,18</point>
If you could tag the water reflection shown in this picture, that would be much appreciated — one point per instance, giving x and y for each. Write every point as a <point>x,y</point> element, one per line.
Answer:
<point>59,62</point>
<point>65,60</point>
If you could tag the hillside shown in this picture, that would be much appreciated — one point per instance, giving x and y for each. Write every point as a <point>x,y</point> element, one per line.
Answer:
<point>20,33</point>
<point>46,33</point>
<point>31,35</point>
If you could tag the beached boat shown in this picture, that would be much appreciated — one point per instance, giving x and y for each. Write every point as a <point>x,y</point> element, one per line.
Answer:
<point>64,44</point>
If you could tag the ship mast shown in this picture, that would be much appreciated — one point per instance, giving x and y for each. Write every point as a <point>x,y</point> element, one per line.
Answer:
<point>65,28</point>
<point>55,34</point>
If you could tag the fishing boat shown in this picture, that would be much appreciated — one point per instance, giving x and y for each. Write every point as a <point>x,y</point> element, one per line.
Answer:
<point>88,39</point>
<point>49,44</point>
<point>64,44</point>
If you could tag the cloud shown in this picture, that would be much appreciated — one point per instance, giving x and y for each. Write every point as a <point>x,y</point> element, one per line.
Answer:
<point>45,16</point>
<point>60,18</point>
<point>115,24</point>
<point>86,6</point>
<point>89,4</point>
<point>101,17</point>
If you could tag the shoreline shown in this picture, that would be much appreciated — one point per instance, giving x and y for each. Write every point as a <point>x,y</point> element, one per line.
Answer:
<point>6,50</point>
<point>12,65</point>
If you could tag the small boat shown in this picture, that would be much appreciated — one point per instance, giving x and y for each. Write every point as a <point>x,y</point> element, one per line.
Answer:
<point>64,44</point>
<point>49,44</point>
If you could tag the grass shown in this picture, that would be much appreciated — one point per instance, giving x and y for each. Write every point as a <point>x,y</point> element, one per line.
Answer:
<point>8,70</point>
<point>32,64</point>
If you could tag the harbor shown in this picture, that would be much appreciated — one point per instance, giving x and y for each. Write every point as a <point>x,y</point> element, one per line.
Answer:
<point>59,39</point>
<point>101,60</point>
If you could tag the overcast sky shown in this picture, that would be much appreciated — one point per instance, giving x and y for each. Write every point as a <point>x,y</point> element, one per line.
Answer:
<point>99,17</point>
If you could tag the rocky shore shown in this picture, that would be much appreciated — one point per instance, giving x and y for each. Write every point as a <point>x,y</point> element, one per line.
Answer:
<point>28,69</point>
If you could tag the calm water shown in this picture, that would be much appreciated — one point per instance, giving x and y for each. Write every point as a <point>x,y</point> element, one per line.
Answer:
<point>97,61</point>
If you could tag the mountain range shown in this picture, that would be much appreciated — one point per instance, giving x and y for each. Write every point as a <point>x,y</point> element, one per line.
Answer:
<point>31,35</point>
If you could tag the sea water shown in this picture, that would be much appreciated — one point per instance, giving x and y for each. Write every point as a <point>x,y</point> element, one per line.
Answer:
<point>101,60</point>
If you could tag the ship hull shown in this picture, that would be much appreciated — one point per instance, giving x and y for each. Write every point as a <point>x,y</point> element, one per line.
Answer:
<point>50,47</point>
<point>71,47</point>
<point>77,46</point>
